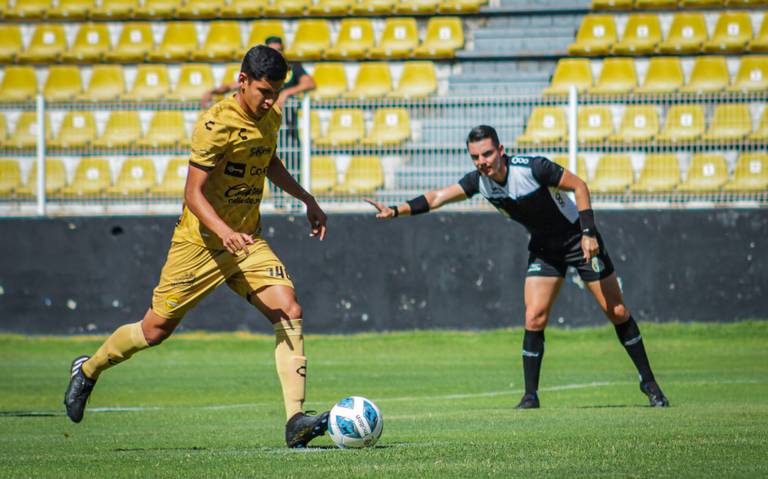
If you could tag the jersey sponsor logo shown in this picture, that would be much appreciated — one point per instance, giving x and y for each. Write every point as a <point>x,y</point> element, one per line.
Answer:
<point>519,160</point>
<point>257,171</point>
<point>235,169</point>
<point>243,194</point>
<point>260,150</point>
<point>241,134</point>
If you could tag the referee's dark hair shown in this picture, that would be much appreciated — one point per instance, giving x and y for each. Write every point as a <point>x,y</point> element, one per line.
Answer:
<point>262,62</point>
<point>481,132</point>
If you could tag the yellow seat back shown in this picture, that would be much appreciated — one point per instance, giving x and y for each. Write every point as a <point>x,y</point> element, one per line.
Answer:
<point>330,80</point>
<point>661,172</point>
<point>322,174</point>
<point>707,172</point>
<point>568,72</point>
<point>612,175</point>
<point>373,81</point>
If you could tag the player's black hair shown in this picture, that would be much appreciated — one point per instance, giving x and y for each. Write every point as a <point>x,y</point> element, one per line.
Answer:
<point>262,62</point>
<point>481,132</point>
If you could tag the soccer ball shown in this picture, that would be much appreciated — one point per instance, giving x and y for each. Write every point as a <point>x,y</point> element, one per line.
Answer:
<point>355,422</point>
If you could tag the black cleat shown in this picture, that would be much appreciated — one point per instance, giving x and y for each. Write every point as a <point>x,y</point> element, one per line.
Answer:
<point>79,390</point>
<point>529,401</point>
<point>655,396</point>
<point>302,428</point>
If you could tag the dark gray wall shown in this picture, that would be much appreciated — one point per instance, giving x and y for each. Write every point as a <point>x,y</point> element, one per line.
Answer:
<point>453,270</point>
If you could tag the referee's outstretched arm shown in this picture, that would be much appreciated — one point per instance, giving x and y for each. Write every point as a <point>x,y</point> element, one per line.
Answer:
<point>421,204</point>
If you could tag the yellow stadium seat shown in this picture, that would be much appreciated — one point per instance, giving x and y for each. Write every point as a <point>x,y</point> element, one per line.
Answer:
<point>114,9</point>
<point>346,127</point>
<point>751,173</point>
<point>231,73</point>
<point>417,7</point>
<point>55,178</point>
<point>683,123</point>
<point>355,39</point>
<point>314,125</point>
<point>3,130</point>
<point>165,130</point>
<point>179,41</point>
<point>312,38</point>
<point>322,174</point>
<point>595,124</point>
<point>330,7</point>
<point>263,29</point>
<point>617,77</point>
<point>639,124</point>
<point>570,71</point>
<point>70,9</point>
<point>47,44</point>
<point>123,129</point>
<point>78,129</point>
<point>222,43</point>
<point>709,75</point>
<point>752,75</point>
<point>664,75</point>
<point>596,36</point>
<point>200,9</point>
<point>92,177</point>
<point>687,34</point>
<point>134,43</point>
<point>655,4</point>
<point>243,8</point>
<point>364,175</point>
<point>730,122</point>
<point>545,125</point>
<point>732,33</point>
<point>19,84</point>
<point>444,36</point>
<point>761,133</point>
<point>279,8</point>
<point>330,80</point>
<point>91,44</point>
<point>373,81</point>
<point>10,43</point>
<point>136,177</point>
<point>660,173</point>
<point>10,176</point>
<point>25,133</point>
<point>760,42</point>
<point>28,9</point>
<point>706,172</point>
<point>581,165</point>
<point>374,7</point>
<point>174,179</point>
<point>194,80</point>
<point>159,9</point>
<point>391,126</point>
<point>107,83</point>
<point>611,4</point>
<point>641,35</point>
<point>612,175</point>
<point>461,6</point>
<point>701,3</point>
<point>63,83</point>
<point>151,83</point>
<point>399,38</point>
<point>417,80</point>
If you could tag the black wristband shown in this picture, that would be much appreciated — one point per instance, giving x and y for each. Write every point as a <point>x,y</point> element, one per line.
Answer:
<point>418,205</point>
<point>587,220</point>
<point>397,212</point>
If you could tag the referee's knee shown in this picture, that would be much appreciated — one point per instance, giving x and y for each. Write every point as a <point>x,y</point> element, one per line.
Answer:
<point>617,313</point>
<point>535,320</point>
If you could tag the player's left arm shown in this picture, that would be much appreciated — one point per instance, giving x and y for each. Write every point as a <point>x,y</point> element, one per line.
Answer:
<point>280,176</point>
<point>571,182</point>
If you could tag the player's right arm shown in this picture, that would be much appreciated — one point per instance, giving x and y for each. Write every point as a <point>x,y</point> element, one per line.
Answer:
<point>429,201</point>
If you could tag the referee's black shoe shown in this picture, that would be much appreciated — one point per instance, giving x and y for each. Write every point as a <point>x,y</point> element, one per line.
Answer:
<point>529,401</point>
<point>79,390</point>
<point>302,428</point>
<point>655,396</point>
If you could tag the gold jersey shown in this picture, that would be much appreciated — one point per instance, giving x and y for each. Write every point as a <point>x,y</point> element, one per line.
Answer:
<point>236,149</point>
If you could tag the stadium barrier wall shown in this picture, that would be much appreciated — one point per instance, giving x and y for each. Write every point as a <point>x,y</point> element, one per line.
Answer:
<point>442,270</point>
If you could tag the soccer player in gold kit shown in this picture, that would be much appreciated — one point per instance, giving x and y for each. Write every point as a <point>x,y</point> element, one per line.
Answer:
<point>217,240</point>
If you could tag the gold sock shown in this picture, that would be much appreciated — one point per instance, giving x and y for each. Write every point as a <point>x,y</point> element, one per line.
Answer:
<point>291,364</point>
<point>125,341</point>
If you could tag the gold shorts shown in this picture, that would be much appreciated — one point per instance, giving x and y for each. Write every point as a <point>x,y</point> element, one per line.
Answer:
<point>192,271</point>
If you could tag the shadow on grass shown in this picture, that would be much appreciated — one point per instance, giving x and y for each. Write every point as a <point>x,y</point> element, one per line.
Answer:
<point>613,406</point>
<point>30,414</point>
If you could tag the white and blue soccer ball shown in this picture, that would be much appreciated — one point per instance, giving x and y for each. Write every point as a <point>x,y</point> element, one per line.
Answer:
<point>355,422</point>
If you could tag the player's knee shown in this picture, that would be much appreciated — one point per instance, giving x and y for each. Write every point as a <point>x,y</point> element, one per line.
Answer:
<point>156,336</point>
<point>535,319</point>
<point>617,313</point>
<point>293,311</point>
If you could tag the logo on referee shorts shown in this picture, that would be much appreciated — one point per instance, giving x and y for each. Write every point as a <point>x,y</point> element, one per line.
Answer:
<point>534,267</point>
<point>597,265</point>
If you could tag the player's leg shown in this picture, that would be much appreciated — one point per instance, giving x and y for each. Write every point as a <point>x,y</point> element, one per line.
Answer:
<point>608,295</point>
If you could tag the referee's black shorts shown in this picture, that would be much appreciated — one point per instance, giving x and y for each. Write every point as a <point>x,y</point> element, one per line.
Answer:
<point>543,262</point>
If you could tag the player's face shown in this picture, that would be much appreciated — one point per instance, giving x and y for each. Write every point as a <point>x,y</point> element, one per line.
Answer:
<point>259,95</point>
<point>486,157</point>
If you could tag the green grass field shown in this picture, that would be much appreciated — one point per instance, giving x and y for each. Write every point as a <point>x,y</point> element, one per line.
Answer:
<point>210,406</point>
